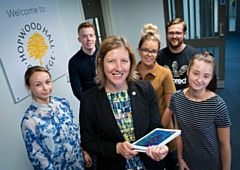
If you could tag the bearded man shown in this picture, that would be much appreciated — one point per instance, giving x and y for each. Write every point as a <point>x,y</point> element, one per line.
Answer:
<point>177,54</point>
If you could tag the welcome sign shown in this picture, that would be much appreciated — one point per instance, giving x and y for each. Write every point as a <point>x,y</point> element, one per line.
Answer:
<point>31,34</point>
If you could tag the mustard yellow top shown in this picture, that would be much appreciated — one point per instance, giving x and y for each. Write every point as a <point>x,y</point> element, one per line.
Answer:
<point>162,82</point>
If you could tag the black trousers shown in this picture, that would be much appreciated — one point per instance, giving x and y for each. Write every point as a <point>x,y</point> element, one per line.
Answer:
<point>171,162</point>
<point>94,163</point>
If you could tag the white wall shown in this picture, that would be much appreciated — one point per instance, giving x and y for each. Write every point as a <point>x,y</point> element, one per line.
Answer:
<point>13,155</point>
<point>128,18</point>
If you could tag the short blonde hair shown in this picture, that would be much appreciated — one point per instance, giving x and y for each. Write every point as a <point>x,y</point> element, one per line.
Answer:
<point>111,43</point>
<point>176,21</point>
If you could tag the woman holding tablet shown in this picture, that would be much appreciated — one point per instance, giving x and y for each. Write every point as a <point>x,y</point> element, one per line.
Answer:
<point>121,110</point>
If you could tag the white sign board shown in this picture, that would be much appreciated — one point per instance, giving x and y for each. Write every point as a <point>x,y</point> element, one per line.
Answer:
<point>31,34</point>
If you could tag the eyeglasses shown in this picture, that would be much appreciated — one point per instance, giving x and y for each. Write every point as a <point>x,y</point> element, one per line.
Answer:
<point>147,51</point>
<point>174,33</point>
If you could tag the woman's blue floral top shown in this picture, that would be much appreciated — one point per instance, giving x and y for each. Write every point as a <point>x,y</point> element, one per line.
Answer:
<point>51,136</point>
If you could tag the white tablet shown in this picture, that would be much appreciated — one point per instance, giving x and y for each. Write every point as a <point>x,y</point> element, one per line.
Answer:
<point>157,136</point>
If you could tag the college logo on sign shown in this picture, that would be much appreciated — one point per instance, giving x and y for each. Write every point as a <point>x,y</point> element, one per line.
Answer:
<point>35,42</point>
<point>33,35</point>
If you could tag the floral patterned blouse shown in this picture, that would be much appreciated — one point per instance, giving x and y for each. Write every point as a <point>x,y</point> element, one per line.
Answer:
<point>51,136</point>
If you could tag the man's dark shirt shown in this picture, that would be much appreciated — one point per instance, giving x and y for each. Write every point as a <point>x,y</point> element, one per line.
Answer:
<point>177,63</point>
<point>81,68</point>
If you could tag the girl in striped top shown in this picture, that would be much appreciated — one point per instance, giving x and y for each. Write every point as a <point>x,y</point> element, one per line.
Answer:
<point>203,118</point>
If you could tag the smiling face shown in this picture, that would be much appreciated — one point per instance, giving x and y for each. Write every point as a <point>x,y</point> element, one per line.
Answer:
<point>116,68</point>
<point>175,35</point>
<point>87,38</point>
<point>40,86</point>
<point>148,52</point>
<point>199,75</point>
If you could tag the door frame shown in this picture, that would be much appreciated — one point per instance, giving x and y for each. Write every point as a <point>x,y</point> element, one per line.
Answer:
<point>214,42</point>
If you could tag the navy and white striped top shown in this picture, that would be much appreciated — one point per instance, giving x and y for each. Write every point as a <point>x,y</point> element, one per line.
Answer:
<point>199,122</point>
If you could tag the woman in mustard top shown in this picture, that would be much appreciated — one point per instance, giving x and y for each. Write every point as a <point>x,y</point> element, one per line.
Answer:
<point>159,76</point>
